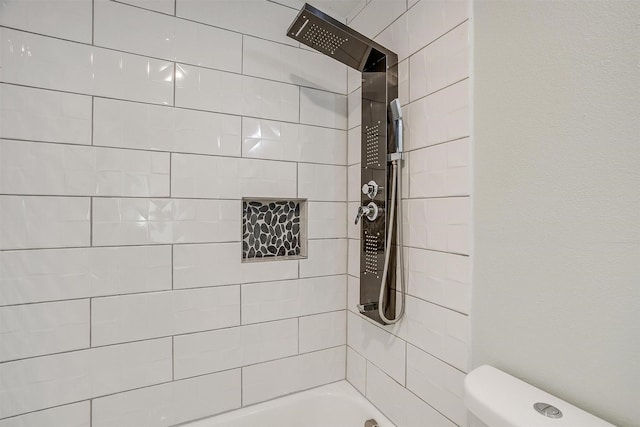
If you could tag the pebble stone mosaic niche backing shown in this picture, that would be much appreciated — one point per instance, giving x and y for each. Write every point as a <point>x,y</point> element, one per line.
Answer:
<point>272,228</point>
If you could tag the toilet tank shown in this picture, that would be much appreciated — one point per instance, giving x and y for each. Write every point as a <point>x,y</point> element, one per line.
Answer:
<point>500,400</point>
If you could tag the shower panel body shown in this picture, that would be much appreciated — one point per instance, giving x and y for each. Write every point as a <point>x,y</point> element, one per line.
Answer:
<point>379,68</point>
<point>379,87</point>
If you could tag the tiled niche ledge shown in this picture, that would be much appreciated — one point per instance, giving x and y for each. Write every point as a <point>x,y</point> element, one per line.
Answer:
<point>274,229</point>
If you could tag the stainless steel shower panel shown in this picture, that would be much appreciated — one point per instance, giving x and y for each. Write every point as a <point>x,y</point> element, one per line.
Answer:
<point>379,87</point>
<point>379,67</point>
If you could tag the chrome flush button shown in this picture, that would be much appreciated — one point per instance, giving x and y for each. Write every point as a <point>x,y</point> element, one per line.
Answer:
<point>547,410</point>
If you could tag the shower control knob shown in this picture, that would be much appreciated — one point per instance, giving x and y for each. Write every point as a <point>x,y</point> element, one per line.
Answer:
<point>370,212</point>
<point>370,189</point>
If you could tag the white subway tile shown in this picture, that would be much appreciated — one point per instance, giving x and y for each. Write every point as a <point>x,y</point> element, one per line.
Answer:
<point>170,404</point>
<point>377,16</point>
<point>214,351</point>
<point>157,221</point>
<point>322,331</point>
<point>402,407</point>
<point>403,82</point>
<point>213,90</point>
<point>135,317</point>
<point>441,170</point>
<point>353,293</point>
<point>396,36</point>
<point>322,145</point>
<point>429,20</point>
<point>322,182</point>
<point>272,379</point>
<point>42,382</point>
<point>74,415</point>
<point>258,18</point>
<point>357,6</point>
<point>39,329</point>
<point>441,278</point>
<point>353,266</point>
<point>231,178</point>
<point>326,257</point>
<point>45,62</point>
<point>326,220</point>
<point>356,370</point>
<point>441,63</point>
<point>58,274</point>
<point>322,108</point>
<point>60,169</point>
<point>439,224</point>
<point>354,79</point>
<point>275,61</point>
<point>221,264</point>
<point>43,222</point>
<point>354,145</point>
<point>353,183</point>
<point>43,115</point>
<point>266,139</point>
<point>65,19</point>
<point>353,229</point>
<point>354,109</point>
<point>134,30</point>
<point>439,331</point>
<point>377,345</point>
<point>437,383</point>
<point>442,116</point>
<point>262,302</point>
<point>164,6</point>
<point>154,127</point>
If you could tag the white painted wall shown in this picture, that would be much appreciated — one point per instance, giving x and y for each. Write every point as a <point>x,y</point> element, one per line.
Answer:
<point>556,290</point>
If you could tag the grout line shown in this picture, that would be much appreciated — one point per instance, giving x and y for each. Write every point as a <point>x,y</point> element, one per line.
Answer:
<point>165,337</point>
<point>175,8</point>
<point>157,58</point>
<point>136,245</point>
<point>178,106</point>
<point>210,199</point>
<point>183,18</point>
<point>168,151</point>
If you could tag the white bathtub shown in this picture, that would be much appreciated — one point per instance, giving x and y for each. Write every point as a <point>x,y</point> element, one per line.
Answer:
<point>333,405</point>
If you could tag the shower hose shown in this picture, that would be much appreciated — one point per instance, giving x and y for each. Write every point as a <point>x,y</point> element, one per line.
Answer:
<point>396,200</point>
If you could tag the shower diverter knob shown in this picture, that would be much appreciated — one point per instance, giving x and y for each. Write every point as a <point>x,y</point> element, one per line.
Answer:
<point>370,189</point>
<point>370,211</point>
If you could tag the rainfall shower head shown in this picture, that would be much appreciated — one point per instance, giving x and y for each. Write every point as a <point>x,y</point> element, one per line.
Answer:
<point>331,37</point>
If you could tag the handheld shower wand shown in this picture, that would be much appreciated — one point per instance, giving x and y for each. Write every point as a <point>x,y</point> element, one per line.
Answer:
<point>396,204</point>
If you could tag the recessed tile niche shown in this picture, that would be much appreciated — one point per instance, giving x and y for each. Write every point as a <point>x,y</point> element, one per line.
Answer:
<point>274,229</point>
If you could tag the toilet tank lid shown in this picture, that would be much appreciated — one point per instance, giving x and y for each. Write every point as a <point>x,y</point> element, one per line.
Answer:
<point>500,400</point>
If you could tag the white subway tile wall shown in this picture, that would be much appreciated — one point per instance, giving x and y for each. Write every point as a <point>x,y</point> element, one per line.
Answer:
<point>414,371</point>
<point>129,132</point>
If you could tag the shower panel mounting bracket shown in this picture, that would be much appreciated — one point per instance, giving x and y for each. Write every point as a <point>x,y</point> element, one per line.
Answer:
<point>379,68</point>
